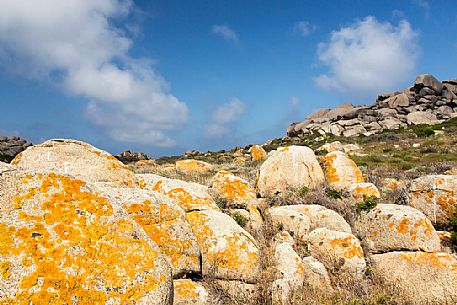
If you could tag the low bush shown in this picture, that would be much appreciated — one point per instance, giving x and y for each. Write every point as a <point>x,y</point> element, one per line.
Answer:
<point>368,204</point>
<point>335,194</point>
<point>240,219</point>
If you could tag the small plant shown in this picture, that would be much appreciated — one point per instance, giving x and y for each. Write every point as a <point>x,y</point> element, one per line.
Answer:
<point>321,152</point>
<point>240,219</point>
<point>222,203</point>
<point>280,226</point>
<point>368,204</point>
<point>335,194</point>
<point>303,191</point>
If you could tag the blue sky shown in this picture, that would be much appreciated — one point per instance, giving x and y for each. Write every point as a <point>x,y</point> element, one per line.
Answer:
<point>166,76</point>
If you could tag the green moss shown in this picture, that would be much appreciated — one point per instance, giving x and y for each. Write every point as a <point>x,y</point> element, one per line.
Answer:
<point>368,204</point>
<point>240,219</point>
<point>335,194</point>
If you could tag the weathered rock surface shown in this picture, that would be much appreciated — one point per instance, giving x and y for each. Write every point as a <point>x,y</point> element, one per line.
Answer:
<point>291,167</point>
<point>192,166</point>
<point>316,276</point>
<point>188,292</point>
<point>286,218</point>
<point>189,196</point>
<point>61,243</point>
<point>228,251</point>
<point>338,251</point>
<point>234,189</point>
<point>289,268</point>
<point>361,191</point>
<point>418,277</point>
<point>78,159</point>
<point>340,171</point>
<point>164,222</point>
<point>258,153</point>
<point>128,156</point>
<point>435,196</point>
<point>393,227</point>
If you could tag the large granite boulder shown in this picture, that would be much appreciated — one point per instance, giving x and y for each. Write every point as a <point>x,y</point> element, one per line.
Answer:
<point>63,244</point>
<point>429,81</point>
<point>192,166</point>
<point>289,168</point>
<point>340,171</point>
<point>78,159</point>
<point>234,189</point>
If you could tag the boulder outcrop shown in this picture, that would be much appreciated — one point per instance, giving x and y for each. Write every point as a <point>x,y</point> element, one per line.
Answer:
<point>10,146</point>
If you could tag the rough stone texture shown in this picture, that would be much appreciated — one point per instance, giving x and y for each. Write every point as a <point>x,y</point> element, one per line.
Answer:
<point>427,80</point>
<point>228,251</point>
<point>62,244</point>
<point>192,166</point>
<point>128,156</point>
<point>338,251</point>
<point>238,292</point>
<point>418,277</point>
<point>235,189</point>
<point>188,292</point>
<point>289,219</point>
<point>254,219</point>
<point>316,215</point>
<point>400,100</point>
<point>422,117</point>
<point>287,168</point>
<point>316,276</point>
<point>289,268</point>
<point>435,196</point>
<point>10,146</point>
<point>164,222</point>
<point>340,171</point>
<point>78,159</point>
<point>189,196</point>
<point>258,153</point>
<point>361,191</point>
<point>393,227</point>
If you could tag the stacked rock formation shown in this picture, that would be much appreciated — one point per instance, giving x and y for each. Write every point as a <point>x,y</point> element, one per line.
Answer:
<point>10,146</point>
<point>428,101</point>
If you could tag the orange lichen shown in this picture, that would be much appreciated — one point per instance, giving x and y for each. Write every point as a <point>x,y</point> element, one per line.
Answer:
<point>232,188</point>
<point>76,249</point>
<point>435,259</point>
<point>282,149</point>
<point>235,255</point>
<point>258,153</point>
<point>193,166</point>
<point>185,289</point>
<point>349,246</point>
<point>330,171</point>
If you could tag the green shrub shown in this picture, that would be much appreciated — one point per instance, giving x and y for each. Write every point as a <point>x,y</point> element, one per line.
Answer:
<point>222,203</point>
<point>321,152</point>
<point>240,219</point>
<point>335,194</point>
<point>303,191</point>
<point>368,204</point>
<point>423,131</point>
<point>6,159</point>
<point>280,226</point>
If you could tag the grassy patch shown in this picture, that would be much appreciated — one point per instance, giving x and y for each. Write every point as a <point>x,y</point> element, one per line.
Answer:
<point>240,219</point>
<point>335,194</point>
<point>368,204</point>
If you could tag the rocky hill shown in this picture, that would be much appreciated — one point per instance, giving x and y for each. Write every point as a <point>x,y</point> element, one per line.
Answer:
<point>10,146</point>
<point>428,101</point>
<point>311,218</point>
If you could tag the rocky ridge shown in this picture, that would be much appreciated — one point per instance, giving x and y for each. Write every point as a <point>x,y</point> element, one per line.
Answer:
<point>428,101</point>
<point>10,146</point>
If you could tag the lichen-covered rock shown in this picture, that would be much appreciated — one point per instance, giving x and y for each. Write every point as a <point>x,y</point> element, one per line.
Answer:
<point>393,227</point>
<point>234,189</point>
<point>254,221</point>
<point>338,251</point>
<point>361,191</point>
<point>321,217</point>
<point>189,196</point>
<point>316,277</point>
<point>258,153</point>
<point>333,146</point>
<point>290,272</point>
<point>295,222</point>
<point>340,171</point>
<point>291,167</point>
<point>78,159</point>
<point>164,222</point>
<point>62,244</point>
<point>188,292</point>
<point>228,251</point>
<point>435,196</point>
<point>418,277</point>
<point>192,166</point>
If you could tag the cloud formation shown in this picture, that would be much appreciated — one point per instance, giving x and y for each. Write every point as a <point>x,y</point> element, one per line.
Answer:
<point>368,57</point>
<point>304,28</point>
<point>225,32</point>
<point>223,116</point>
<point>75,45</point>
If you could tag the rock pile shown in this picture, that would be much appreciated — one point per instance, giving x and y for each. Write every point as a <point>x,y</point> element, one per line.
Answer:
<point>77,226</point>
<point>10,146</point>
<point>428,101</point>
<point>128,156</point>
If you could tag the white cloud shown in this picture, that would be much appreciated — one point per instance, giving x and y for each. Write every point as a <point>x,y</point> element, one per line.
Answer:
<point>304,28</point>
<point>74,44</point>
<point>368,57</point>
<point>223,116</point>
<point>225,32</point>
